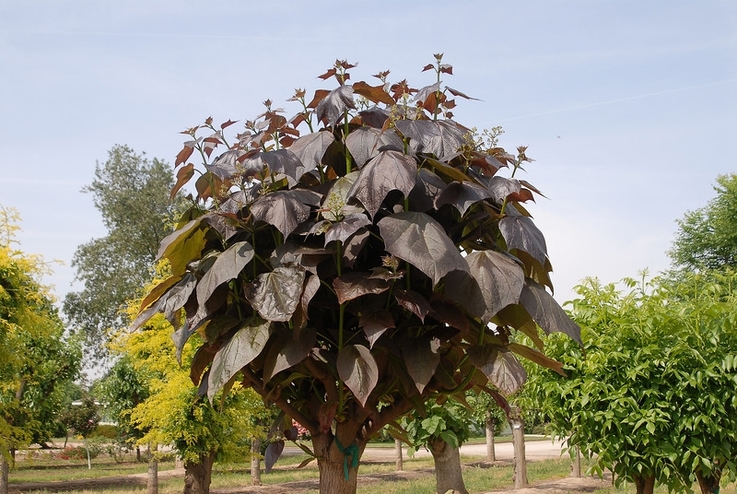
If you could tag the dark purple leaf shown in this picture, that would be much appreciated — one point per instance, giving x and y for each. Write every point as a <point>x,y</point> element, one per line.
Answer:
<point>275,295</point>
<point>283,209</point>
<point>390,170</point>
<point>456,92</point>
<point>421,241</point>
<point>358,370</point>
<point>331,109</point>
<point>500,188</point>
<point>356,284</point>
<point>520,232</point>
<point>500,366</point>
<point>374,117</point>
<point>311,148</point>
<point>428,187</point>
<point>272,454</point>
<point>413,302</point>
<point>366,142</point>
<point>537,357</point>
<point>227,266</point>
<point>443,138</point>
<point>333,206</point>
<point>341,230</point>
<point>301,313</point>
<point>422,358</point>
<point>546,312</point>
<point>375,323</point>
<point>245,345</point>
<point>461,195</point>
<point>169,303</point>
<point>288,352</point>
<point>240,199</point>
<point>498,283</point>
<point>426,91</point>
<point>284,161</point>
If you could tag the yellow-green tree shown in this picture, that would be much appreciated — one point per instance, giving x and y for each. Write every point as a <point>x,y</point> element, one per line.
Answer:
<point>36,360</point>
<point>176,414</point>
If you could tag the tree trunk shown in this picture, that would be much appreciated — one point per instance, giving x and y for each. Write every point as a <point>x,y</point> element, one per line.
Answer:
<point>197,476</point>
<point>398,450</point>
<point>448,476</point>
<point>4,468</point>
<point>709,484</point>
<point>255,461</point>
<point>338,469</point>
<point>138,454</point>
<point>490,449</point>
<point>520,463</point>
<point>152,481</point>
<point>644,485</point>
<point>576,467</point>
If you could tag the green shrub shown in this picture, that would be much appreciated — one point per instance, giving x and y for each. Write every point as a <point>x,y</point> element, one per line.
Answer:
<point>108,431</point>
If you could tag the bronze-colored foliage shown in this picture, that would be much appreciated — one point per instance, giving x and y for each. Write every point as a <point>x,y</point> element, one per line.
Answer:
<point>352,272</point>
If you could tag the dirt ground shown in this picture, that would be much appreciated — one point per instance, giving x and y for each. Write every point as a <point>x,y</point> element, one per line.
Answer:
<point>534,451</point>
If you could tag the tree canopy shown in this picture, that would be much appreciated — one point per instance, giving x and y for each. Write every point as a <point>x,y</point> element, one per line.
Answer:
<point>37,358</point>
<point>350,273</point>
<point>707,237</point>
<point>647,394</point>
<point>131,193</point>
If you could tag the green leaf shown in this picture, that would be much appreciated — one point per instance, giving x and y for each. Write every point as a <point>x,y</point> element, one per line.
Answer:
<point>358,370</point>
<point>421,241</point>
<point>244,346</point>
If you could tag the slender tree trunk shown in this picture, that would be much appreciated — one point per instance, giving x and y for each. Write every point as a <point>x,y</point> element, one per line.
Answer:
<point>520,462</point>
<point>197,476</point>
<point>490,449</point>
<point>138,454</point>
<point>576,467</point>
<point>709,484</point>
<point>644,485</point>
<point>152,481</point>
<point>256,461</point>
<point>448,476</point>
<point>4,469</point>
<point>399,465</point>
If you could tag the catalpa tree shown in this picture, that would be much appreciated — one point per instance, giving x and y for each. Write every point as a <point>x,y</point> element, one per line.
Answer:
<point>354,271</point>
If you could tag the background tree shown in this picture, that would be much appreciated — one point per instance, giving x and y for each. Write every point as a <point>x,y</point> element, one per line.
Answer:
<point>707,237</point>
<point>441,428</point>
<point>648,396</point>
<point>174,413</point>
<point>325,270</point>
<point>131,193</point>
<point>36,360</point>
<point>486,411</point>
<point>122,389</point>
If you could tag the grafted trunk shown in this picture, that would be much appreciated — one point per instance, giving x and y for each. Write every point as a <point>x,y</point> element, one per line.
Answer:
<point>520,462</point>
<point>197,476</point>
<point>576,467</point>
<point>4,469</point>
<point>152,480</point>
<point>644,485</point>
<point>448,475</point>
<point>337,463</point>
<point>709,484</point>
<point>255,461</point>
<point>490,449</point>
<point>399,464</point>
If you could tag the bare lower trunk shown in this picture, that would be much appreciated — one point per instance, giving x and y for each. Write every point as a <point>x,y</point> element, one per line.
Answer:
<point>448,476</point>
<point>576,467</point>
<point>399,464</point>
<point>4,468</point>
<point>645,485</point>
<point>197,476</point>
<point>138,454</point>
<point>709,484</point>
<point>152,480</point>
<point>337,463</point>
<point>490,450</point>
<point>520,463</point>
<point>255,461</point>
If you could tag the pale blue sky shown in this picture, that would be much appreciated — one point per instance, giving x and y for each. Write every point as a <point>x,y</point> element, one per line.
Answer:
<point>629,107</point>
